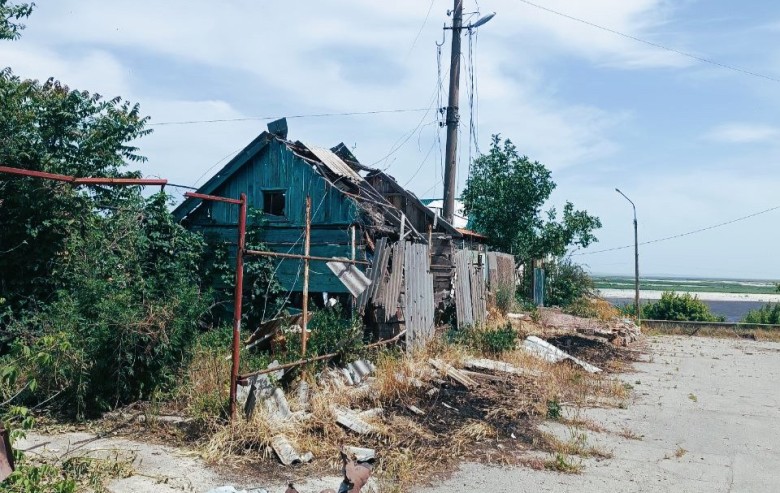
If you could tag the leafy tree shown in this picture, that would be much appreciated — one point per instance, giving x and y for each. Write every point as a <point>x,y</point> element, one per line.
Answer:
<point>680,307</point>
<point>10,15</point>
<point>504,196</point>
<point>49,127</point>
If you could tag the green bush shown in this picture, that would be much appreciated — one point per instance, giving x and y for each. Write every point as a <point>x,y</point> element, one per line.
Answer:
<point>330,332</point>
<point>680,307</point>
<point>125,315</point>
<point>566,282</point>
<point>505,299</point>
<point>767,314</point>
<point>492,341</point>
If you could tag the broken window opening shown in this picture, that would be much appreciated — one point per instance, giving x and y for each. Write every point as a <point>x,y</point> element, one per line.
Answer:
<point>274,202</point>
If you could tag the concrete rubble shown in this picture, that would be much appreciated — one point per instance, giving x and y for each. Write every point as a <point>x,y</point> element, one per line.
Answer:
<point>620,332</point>
<point>552,354</point>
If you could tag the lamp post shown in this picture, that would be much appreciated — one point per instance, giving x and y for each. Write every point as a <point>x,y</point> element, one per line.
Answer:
<point>636,261</point>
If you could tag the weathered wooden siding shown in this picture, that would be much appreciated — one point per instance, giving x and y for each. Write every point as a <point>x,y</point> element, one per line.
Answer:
<point>275,167</point>
<point>501,271</point>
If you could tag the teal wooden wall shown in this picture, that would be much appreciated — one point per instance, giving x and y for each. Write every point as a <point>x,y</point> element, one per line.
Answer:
<point>275,167</point>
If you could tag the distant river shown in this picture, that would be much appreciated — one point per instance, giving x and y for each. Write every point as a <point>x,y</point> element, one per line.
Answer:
<point>734,311</point>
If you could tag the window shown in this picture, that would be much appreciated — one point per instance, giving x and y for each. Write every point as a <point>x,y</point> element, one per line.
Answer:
<point>273,202</point>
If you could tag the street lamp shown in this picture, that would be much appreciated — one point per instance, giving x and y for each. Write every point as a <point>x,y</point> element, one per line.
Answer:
<point>636,261</point>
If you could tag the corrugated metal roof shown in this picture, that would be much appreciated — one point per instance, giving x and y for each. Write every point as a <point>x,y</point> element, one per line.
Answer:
<point>335,164</point>
<point>350,276</point>
<point>419,295</point>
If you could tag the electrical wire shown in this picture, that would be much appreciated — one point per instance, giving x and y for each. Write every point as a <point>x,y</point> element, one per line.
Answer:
<point>654,44</point>
<point>312,115</point>
<point>658,240</point>
<point>232,153</point>
<point>417,36</point>
<point>405,138</point>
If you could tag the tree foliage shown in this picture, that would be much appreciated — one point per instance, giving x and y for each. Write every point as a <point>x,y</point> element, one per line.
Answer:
<point>10,15</point>
<point>102,290</point>
<point>504,196</point>
<point>49,127</point>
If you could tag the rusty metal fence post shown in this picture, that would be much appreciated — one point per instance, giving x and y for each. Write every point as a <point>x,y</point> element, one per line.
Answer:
<point>239,289</point>
<point>238,305</point>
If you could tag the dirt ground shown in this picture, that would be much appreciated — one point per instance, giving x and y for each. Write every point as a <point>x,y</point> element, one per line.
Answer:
<point>703,419</point>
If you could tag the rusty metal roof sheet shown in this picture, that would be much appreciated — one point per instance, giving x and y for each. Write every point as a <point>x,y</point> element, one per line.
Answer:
<point>335,164</point>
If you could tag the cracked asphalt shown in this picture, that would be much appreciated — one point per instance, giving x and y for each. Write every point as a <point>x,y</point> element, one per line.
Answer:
<point>707,415</point>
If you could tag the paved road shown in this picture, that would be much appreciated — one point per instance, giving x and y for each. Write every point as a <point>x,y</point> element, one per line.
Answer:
<point>709,414</point>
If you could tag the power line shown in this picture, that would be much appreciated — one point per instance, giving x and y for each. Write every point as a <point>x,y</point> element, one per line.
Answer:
<point>417,36</point>
<point>654,44</point>
<point>682,234</point>
<point>313,115</point>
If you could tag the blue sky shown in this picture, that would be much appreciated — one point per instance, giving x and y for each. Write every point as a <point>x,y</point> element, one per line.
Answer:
<point>691,143</point>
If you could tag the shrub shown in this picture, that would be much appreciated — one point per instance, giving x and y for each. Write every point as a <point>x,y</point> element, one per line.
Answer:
<point>505,299</point>
<point>566,282</point>
<point>680,307</point>
<point>125,317</point>
<point>767,314</point>
<point>329,333</point>
<point>489,340</point>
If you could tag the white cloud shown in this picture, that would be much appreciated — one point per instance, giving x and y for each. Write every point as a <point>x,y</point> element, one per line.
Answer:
<point>743,133</point>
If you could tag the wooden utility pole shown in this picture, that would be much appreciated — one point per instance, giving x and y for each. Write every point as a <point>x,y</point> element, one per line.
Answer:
<point>306,250</point>
<point>451,152</point>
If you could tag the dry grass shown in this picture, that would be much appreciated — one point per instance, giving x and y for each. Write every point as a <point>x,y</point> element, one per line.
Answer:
<point>577,444</point>
<point>598,308</point>
<point>629,434</point>
<point>495,422</point>
<point>715,332</point>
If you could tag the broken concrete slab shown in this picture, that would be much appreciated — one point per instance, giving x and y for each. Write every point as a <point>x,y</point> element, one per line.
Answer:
<point>260,388</point>
<point>499,366</point>
<point>552,354</point>
<point>352,421</point>
<point>287,453</point>
<point>277,406</point>
<point>360,454</point>
<point>302,394</point>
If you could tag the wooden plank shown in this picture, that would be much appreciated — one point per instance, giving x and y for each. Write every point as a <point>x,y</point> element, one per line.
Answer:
<point>462,285</point>
<point>453,373</point>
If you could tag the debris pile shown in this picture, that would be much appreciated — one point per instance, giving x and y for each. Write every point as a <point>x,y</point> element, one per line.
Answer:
<point>619,332</point>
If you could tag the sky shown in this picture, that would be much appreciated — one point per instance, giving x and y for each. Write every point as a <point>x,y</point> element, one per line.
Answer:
<point>693,144</point>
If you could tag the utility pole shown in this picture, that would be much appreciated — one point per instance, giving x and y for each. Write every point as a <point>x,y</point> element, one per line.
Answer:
<point>451,152</point>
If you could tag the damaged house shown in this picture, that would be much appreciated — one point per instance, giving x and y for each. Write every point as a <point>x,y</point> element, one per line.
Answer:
<point>410,253</point>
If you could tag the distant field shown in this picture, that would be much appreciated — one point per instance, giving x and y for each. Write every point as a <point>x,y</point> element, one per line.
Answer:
<point>681,285</point>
